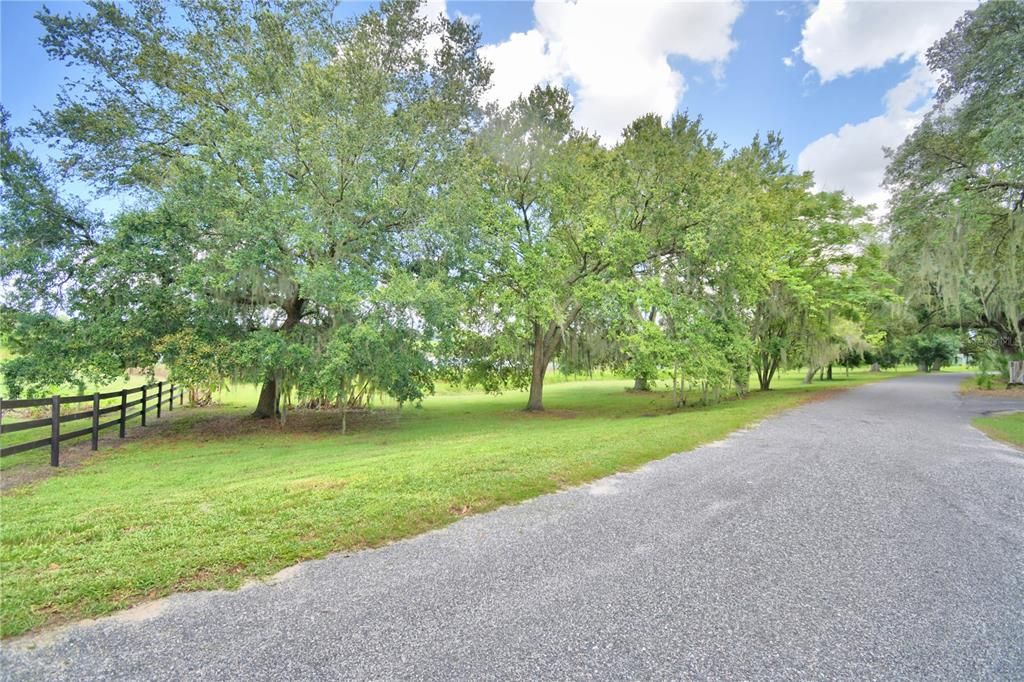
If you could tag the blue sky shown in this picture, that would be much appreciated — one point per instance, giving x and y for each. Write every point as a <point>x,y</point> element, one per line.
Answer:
<point>756,92</point>
<point>838,80</point>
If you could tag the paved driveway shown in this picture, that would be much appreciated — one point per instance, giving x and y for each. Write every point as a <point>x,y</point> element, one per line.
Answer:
<point>874,534</point>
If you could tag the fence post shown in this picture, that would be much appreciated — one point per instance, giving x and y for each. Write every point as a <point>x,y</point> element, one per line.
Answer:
<point>55,431</point>
<point>124,411</point>
<point>170,403</point>
<point>159,397</point>
<point>143,411</point>
<point>182,400</point>
<point>95,421</point>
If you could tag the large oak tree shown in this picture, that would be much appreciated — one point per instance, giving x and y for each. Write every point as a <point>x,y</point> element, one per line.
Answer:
<point>304,154</point>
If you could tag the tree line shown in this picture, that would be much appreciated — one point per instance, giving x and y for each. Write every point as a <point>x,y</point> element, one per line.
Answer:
<point>329,208</point>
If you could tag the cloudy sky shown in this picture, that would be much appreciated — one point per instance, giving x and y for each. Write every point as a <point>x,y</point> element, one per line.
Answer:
<point>839,80</point>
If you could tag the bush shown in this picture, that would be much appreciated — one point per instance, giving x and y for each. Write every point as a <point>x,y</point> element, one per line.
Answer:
<point>990,365</point>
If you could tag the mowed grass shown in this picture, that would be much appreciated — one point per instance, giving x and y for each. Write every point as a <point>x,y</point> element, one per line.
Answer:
<point>213,498</point>
<point>1008,428</point>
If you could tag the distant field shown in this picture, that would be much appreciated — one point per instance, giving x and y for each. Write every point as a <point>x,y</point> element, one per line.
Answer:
<point>212,499</point>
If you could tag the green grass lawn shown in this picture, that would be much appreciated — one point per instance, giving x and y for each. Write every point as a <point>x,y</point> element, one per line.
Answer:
<point>1008,428</point>
<point>213,498</point>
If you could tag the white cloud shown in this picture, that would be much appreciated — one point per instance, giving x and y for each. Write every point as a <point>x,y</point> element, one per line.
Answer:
<point>615,56</point>
<point>473,19</point>
<point>841,37</point>
<point>520,63</point>
<point>788,61</point>
<point>432,9</point>
<point>853,158</point>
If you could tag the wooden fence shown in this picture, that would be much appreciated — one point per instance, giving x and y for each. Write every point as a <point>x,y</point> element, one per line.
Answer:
<point>151,400</point>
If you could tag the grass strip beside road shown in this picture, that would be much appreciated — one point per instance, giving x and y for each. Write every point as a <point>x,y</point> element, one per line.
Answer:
<point>1008,428</point>
<point>998,389</point>
<point>215,498</point>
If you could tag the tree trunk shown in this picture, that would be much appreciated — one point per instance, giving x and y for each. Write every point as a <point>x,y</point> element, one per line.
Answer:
<point>266,407</point>
<point>875,367</point>
<point>641,384</point>
<point>922,367</point>
<point>536,402</point>
<point>809,377</point>
<point>766,373</point>
<point>678,385</point>
<point>829,375</point>
<point>540,367</point>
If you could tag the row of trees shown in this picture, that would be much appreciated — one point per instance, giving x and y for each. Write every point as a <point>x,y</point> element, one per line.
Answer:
<point>327,208</point>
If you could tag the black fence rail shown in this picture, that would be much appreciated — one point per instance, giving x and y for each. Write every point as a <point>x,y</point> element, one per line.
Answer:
<point>154,397</point>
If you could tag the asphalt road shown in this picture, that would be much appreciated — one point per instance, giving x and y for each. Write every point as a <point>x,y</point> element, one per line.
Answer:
<point>871,535</point>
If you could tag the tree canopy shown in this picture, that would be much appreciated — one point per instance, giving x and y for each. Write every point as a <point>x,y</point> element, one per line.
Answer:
<point>957,182</point>
<point>301,159</point>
